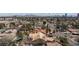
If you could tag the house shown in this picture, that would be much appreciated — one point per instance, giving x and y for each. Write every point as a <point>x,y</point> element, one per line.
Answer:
<point>74,31</point>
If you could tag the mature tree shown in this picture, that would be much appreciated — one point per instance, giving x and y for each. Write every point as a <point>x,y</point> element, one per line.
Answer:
<point>63,40</point>
<point>38,42</point>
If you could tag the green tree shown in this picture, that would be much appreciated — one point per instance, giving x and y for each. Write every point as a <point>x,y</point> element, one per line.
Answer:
<point>63,40</point>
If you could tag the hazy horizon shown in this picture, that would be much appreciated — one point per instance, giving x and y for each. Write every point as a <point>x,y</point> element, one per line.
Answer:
<point>37,14</point>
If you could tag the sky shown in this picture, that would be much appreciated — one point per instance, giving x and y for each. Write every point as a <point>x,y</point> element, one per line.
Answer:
<point>21,7</point>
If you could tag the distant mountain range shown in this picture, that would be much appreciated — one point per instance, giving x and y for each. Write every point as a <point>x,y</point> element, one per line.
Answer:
<point>38,14</point>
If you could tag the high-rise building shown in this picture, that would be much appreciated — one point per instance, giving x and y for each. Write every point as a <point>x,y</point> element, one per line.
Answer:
<point>78,15</point>
<point>65,14</point>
